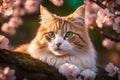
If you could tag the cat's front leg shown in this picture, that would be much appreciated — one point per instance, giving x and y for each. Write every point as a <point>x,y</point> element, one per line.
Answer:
<point>88,74</point>
<point>70,71</point>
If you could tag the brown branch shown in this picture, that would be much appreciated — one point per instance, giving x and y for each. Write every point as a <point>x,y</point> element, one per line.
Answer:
<point>99,3</point>
<point>116,39</point>
<point>27,67</point>
<point>33,69</point>
<point>113,5</point>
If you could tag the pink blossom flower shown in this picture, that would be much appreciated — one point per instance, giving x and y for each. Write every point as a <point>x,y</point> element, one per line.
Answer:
<point>31,6</point>
<point>117,12</point>
<point>90,13</point>
<point>15,22</point>
<point>104,18</point>
<point>3,42</point>
<point>18,2</point>
<point>57,2</point>
<point>117,45</point>
<point>18,11</point>
<point>111,69</point>
<point>9,11</point>
<point>7,74</point>
<point>117,20</point>
<point>0,9</point>
<point>8,29</point>
<point>108,43</point>
<point>90,19</point>
<point>116,24</point>
<point>107,12</point>
<point>118,1</point>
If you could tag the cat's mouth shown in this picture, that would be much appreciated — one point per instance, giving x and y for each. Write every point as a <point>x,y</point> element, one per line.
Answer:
<point>58,49</point>
<point>59,52</point>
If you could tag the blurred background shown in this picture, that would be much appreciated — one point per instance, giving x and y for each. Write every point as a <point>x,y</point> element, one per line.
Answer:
<point>28,29</point>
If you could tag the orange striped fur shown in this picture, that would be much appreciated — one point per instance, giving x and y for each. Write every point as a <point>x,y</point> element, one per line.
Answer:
<point>62,40</point>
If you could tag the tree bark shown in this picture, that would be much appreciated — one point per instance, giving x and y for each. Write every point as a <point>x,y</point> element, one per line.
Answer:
<point>33,69</point>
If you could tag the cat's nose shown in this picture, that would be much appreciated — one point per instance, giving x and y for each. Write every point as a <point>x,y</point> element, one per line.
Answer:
<point>58,44</point>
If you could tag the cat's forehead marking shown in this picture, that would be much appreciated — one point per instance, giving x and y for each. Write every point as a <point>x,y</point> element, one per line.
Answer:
<point>59,32</point>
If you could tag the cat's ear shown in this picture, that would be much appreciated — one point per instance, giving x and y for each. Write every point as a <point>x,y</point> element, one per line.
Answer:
<point>78,16</point>
<point>79,12</point>
<point>45,14</point>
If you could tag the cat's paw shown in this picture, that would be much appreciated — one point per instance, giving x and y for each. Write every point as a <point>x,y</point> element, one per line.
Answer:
<point>69,70</point>
<point>88,74</point>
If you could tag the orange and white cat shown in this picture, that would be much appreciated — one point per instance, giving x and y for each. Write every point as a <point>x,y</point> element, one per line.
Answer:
<point>63,42</point>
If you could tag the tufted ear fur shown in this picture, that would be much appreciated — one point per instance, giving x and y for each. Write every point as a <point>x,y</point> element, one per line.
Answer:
<point>79,12</point>
<point>77,16</point>
<point>45,15</point>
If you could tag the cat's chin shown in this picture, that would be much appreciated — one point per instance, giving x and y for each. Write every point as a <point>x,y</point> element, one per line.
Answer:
<point>59,53</point>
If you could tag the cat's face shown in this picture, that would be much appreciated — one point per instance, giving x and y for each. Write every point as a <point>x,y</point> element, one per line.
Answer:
<point>63,35</point>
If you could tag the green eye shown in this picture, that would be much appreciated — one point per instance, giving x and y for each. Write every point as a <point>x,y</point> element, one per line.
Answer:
<point>51,34</point>
<point>68,34</point>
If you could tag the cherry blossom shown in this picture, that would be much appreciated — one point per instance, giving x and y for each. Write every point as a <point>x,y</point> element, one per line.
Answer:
<point>91,10</point>
<point>3,42</point>
<point>111,69</point>
<point>31,6</point>
<point>8,29</point>
<point>7,74</point>
<point>18,11</point>
<point>104,17</point>
<point>15,22</point>
<point>108,43</point>
<point>57,2</point>
<point>117,45</point>
<point>116,24</point>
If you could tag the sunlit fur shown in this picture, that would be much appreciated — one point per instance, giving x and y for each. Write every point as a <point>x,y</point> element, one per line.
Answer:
<point>77,50</point>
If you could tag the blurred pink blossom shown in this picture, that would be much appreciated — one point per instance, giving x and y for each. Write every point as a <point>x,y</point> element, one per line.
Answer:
<point>57,2</point>
<point>90,19</point>
<point>9,12</point>
<point>3,42</point>
<point>31,6</point>
<point>91,10</point>
<point>104,17</point>
<point>116,27</point>
<point>17,2</point>
<point>117,20</point>
<point>117,12</point>
<point>7,74</point>
<point>18,11</point>
<point>6,8</point>
<point>111,69</point>
<point>15,22</point>
<point>116,24</point>
<point>108,43</point>
<point>117,45</point>
<point>8,29</point>
<point>118,1</point>
<point>0,9</point>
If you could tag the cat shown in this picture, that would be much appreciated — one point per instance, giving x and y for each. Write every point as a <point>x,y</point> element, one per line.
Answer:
<point>63,42</point>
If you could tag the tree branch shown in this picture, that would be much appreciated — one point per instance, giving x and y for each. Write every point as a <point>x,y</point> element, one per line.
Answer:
<point>33,69</point>
<point>116,39</point>
<point>111,4</point>
<point>27,67</point>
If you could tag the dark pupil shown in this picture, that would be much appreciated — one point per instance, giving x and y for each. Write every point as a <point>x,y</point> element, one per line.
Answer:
<point>69,34</point>
<point>51,34</point>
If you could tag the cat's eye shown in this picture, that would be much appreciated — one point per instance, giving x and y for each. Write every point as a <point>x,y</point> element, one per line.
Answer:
<point>51,34</point>
<point>69,34</point>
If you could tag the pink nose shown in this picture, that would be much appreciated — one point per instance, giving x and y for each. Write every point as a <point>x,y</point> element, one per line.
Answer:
<point>58,44</point>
